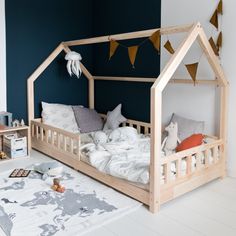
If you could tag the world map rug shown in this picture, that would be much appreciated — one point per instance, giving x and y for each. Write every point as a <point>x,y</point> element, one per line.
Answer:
<point>28,206</point>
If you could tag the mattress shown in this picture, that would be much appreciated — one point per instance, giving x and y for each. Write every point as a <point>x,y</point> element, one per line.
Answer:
<point>85,157</point>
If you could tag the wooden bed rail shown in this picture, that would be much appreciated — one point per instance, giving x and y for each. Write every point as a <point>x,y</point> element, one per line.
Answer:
<point>142,127</point>
<point>204,156</point>
<point>199,81</point>
<point>130,35</point>
<point>55,138</point>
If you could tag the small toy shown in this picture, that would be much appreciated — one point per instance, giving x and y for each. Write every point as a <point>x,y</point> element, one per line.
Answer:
<point>171,141</point>
<point>57,186</point>
<point>49,169</point>
<point>3,155</point>
<point>19,173</point>
<point>16,123</point>
<point>22,122</point>
<point>5,118</point>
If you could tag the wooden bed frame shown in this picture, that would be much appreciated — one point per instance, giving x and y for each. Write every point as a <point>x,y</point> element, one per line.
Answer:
<point>65,146</point>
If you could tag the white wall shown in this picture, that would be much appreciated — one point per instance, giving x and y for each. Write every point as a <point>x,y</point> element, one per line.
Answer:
<point>229,64</point>
<point>185,99</point>
<point>2,57</point>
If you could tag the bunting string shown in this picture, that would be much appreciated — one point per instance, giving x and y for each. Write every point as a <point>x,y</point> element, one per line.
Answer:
<point>155,39</point>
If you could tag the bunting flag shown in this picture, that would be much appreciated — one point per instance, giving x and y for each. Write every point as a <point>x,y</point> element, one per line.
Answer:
<point>192,70</point>
<point>169,47</point>
<point>213,45</point>
<point>113,46</point>
<point>214,19</point>
<point>155,39</point>
<point>132,51</point>
<point>219,40</point>
<point>220,7</point>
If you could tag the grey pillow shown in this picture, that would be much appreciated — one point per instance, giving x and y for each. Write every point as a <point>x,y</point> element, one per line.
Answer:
<point>187,127</point>
<point>88,120</point>
<point>114,118</point>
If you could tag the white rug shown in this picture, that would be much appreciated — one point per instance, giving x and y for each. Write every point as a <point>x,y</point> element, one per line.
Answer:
<point>29,207</point>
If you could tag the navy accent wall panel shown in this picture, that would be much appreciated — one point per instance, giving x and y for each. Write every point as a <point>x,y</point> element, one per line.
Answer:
<point>111,17</point>
<point>33,30</point>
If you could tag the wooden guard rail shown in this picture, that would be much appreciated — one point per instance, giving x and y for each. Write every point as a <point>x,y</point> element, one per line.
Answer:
<point>142,127</point>
<point>194,160</point>
<point>55,138</point>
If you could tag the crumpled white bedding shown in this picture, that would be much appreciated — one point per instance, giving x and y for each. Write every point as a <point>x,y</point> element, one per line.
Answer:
<point>126,156</point>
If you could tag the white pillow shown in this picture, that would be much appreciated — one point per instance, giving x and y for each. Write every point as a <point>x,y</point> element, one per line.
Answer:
<point>114,119</point>
<point>60,116</point>
<point>187,127</point>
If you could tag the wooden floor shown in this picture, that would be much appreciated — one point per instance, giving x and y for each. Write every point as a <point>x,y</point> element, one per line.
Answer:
<point>209,210</point>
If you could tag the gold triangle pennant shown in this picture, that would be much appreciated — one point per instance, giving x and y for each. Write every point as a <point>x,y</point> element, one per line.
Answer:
<point>113,46</point>
<point>155,39</point>
<point>220,7</point>
<point>192,70</point>
<point>214,19</point>
<point>169,47</point>
<point>132,51</point>
<point>213,45</point>
<point>219,40</point>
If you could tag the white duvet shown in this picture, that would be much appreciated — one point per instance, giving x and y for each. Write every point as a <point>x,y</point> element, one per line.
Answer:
<point>126,155</point>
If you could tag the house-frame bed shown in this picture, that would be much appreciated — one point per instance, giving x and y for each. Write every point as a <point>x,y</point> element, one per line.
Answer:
<point>157,193</point>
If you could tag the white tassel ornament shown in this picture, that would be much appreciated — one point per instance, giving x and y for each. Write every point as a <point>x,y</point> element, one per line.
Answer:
<point>73,64</point>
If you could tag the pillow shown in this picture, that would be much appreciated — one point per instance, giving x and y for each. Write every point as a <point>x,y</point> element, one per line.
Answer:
<point>192,141</point>
<point>60,116</point>
<point>114,118</point>
<point>88,120</point>
<point>187,127</point>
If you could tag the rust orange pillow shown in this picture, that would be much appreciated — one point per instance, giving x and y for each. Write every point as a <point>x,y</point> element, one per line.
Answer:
<point>192,141</point>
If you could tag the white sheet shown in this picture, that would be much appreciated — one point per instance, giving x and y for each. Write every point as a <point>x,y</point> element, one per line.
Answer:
<point>127,158</point>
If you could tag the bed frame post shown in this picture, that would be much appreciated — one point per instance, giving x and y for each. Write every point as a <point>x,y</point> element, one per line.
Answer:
<point>91,93</point>
<point>30,96</point>
<point>224,91</point>
<point>155,167</point>
<point>30,99</point>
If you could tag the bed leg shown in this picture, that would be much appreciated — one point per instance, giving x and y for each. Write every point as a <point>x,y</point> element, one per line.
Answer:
<point>154,206</point>
<point>224,172</point>
<point>224,163</point>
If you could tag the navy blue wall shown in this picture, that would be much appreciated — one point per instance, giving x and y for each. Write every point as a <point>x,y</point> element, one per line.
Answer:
<point>33,30</point>
<point>113,17</point>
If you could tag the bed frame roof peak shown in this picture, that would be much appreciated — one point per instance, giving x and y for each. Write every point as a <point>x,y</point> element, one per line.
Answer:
<point>194,32</point>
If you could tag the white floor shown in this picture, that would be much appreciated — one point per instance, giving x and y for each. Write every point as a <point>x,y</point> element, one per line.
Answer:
<point>209,210</point>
